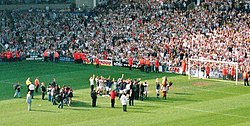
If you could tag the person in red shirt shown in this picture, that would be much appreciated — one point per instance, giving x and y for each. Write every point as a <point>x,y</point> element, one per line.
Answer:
<point>157,64</point>
<point>224,73</point>
<point>97,62</point>
<point>130,63</point>
<point>207,71</point>
<point>112,98</point>
<point>56,56</point>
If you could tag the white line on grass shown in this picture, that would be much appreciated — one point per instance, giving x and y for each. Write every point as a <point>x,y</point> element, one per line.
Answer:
<point>218,80</point>
<point>228,81</point>
<point>197,110</point>
<point>207,90</point>
<point>211,112</point>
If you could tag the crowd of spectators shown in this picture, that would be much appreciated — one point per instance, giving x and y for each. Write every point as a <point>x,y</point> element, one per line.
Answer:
<point>167,30</point>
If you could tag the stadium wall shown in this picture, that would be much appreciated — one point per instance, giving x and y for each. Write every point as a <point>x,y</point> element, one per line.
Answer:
<point>28,6</point>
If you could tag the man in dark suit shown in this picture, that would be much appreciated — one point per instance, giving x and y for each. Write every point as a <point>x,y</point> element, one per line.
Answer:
<point>94,97</point>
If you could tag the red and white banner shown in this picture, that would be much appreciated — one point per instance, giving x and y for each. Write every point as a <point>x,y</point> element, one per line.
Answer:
<point>105,62</point>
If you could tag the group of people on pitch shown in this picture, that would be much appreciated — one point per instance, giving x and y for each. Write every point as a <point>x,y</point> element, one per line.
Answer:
<point>62,95</point>
<point>124,89</point>
<point>56,94</point>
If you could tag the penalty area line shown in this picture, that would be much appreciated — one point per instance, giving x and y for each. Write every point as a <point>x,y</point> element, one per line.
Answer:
<point>218,80</point>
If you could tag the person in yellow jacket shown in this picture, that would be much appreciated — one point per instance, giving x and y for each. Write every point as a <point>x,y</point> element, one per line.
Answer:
<point>28,82</point>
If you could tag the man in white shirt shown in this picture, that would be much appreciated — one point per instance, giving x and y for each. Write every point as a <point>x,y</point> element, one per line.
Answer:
<point>32,88</point>
<point>91,81</point>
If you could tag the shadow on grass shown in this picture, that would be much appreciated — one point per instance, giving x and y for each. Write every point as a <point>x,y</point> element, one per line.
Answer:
<point>169,99</point>
<point>81,104</point>
<point>137,110</point>
<point>47,111</point>
<point>182,93</point>
<point>77,109</point>
<point>132,111</point>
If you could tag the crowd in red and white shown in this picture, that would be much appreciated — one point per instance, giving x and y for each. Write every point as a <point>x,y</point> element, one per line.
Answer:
<point>166,31</point>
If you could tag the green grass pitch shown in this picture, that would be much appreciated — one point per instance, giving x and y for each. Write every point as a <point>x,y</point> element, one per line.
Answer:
<point>194,102</point>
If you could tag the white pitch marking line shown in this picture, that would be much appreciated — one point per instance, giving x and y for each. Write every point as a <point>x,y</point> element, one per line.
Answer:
<point>211,112</point>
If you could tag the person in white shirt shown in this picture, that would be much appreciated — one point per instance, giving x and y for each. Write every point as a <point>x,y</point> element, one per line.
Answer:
<point>145,89</point>
<point>28,100</point>
<point>49,92</point>
<point>32,88</point>
<point>124,100</point>
<point>53,94</point>
<point>101,85</point>
<point>91,81</point>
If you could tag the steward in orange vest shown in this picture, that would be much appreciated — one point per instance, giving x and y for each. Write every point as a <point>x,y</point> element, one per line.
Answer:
<point>130,63</point>
<point>74,56</point>
<point>184,67</point>
<point>3,56</point>
<point>157,64</point>
<point>17,55</point>
<point>245,78</point>
<point>232,73</point>
<point>78,57</point>
<point>9,56</point>
<point>56,56</point>
<point>147,63</point>
<point>97,62</point>
<point>83,57</point>
<point>207,71</point>
<point>224,73</point>
<point>45,55</point>
<point>142,64</point>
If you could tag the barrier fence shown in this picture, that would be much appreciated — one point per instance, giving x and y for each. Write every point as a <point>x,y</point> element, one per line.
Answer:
<point>119,63</point>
